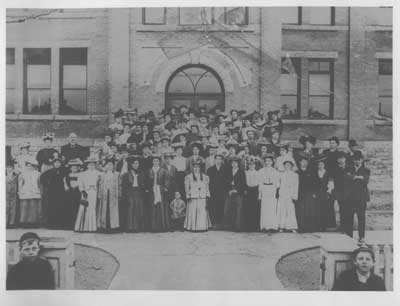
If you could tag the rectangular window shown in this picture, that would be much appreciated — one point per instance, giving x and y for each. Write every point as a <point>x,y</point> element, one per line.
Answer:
<point>384,16</point>
<point>195,15</point>
<point>10,80</point>
<point>385,86</point>
<point>73,81</point>
<point>236,15</point>
<point>291,15</point>
<point>322,15</point>
<point>320,89</point>
<point>290,87</point>
<point>37,78</point>
<point>154,15</point>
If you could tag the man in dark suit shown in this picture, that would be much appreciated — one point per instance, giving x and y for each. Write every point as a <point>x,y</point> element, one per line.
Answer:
<point>32,272</point>
<point>332,153</point>
<point>358,196</point>
<point>361,277</point>
<point>342,185</point>
<point>73,150</point>
<point>218,190</point>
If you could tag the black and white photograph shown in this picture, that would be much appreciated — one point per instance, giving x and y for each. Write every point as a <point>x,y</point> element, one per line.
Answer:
<point>199,148</point>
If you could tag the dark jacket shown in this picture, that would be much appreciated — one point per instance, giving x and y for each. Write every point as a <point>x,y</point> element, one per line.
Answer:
<point>29,275</point>
<point>348,281</point>
<point>77,151</point>
<point>237,181</point>
<point>343,181</point>
<point>218,180</point>
<point>359,191</point>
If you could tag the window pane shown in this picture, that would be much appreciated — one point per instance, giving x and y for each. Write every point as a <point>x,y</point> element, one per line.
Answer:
<point>290,15</point>
<point>39,101</point>
<point>320,15</point>
<point>324,66</point>
<point>384,16</point>
<point>385,67</point>
<point>154,15</point>
<point>385,106</point>
<point>385,85</point>
<point>10,101</point>
<point>181,83</point>
<point>236,15</point>
<point>195,15</point>
<point>288,84</point>
<point>38,76</point>
<point>289,107</point>
<point>73,56</point>
<point>208,84</point>
<point>319,84</point>
<point>37,56</point>
<point>74,76</point>
<point>318,107</point>
<point>209,105</point>
<point>74,102</point>
<point>10,76</point>
<point>10,56</point>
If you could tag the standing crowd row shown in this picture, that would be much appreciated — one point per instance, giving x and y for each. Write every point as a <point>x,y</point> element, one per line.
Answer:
<point>189,171</point>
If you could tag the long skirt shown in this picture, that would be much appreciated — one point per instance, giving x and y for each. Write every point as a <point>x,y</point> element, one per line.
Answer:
<point>307,218</point>
<point>322,211</point>
<point>30,212</point>
<point>11,210</point>
<point>86,218</point>
<point>233,213</point>
<point>73,196</point>
<point>269,216</point>
<point>286,214</point>
<point>108,214</point>
<point>160,216</point>
<point>252,209</point>
<point>197,218</point>
<point>135,211</point>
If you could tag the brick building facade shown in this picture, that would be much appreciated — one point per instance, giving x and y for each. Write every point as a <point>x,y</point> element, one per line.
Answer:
<point>335,58</point>
<point>329,70</point>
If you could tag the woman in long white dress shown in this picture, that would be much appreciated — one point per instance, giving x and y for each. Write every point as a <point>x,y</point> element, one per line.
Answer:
<point>197,193</point>
<point>288,193</point>
<point>88,183</point>
<point>268,182</point>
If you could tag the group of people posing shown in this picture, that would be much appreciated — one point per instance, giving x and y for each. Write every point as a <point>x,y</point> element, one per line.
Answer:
<point>193,171</point>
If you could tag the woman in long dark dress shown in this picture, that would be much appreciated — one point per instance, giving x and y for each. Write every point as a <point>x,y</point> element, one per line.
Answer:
<point>54,203</point>
<point>158,196</point>
<point>323,188</point>
<point>72,194</point>
<point>133,190</point>
<point>306,209</point>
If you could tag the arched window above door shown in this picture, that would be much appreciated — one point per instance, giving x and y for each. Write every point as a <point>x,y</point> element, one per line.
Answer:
<point>195,86</point>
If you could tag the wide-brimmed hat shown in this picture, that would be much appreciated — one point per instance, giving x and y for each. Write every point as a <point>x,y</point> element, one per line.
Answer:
<point>304,139</point>
<point>24,145</point>
<point>196,144</point>
<point>177,145</point>
<point>234,158</point>
<point>269,155</point>
<point>31,161</point>
<point>169,153</point>
<point>75,162</point>
<point>91,159</point>
<point>156,156</point>
<point>132,158</point>
<point>304,155</point>
<point>320,158</point>
<point>176,137</point>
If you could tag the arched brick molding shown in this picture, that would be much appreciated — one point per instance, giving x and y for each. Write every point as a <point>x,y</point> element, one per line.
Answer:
<point>215,59</point>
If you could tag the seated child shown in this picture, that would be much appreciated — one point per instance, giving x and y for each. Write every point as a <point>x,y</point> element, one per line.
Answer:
<point>32,272</point>
<point>178,206</point>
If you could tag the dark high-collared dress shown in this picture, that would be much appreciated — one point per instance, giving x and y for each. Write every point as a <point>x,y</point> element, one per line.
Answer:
<point>233,211</point>
<point>306,208</point>
<point>218,193</point>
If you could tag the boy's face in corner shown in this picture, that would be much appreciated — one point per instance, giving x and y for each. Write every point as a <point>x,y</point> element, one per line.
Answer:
<point>364,262</point>
<point>30,249</point>
<point>177,195</point>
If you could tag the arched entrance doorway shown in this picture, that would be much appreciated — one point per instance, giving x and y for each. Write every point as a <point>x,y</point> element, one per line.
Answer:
<point>195,86</point>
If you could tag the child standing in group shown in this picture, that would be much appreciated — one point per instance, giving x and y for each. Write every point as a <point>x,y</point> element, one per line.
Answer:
<point>178,207</point>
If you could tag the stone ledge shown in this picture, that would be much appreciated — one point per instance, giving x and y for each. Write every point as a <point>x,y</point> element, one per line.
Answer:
<point>378,28</point>
<point>191,28</point>
<point>313,27</point>
<point>51,117</point>
<point>315,121</point>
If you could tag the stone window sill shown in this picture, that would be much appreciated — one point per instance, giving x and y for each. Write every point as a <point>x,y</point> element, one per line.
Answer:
<point>192,28</point>
<point>314,27</point>
<point>377,122</point>
<point>379,28</point>
<point>315,122</point>
<point>51,117</point>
